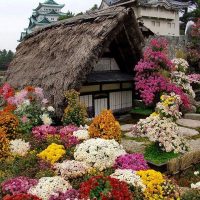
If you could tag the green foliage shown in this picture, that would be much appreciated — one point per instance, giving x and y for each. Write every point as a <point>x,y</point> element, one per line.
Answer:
<point>75,113</point>
<point>194,13</point>
<point>45,173</point>
<point>20,166</point>
<point>142,111</point>
<point>95,7</point>
<point>5,58</point>
<point>67,16</point>
<point>191,195</point>
<point>33,112</point>
<point>154,154</point>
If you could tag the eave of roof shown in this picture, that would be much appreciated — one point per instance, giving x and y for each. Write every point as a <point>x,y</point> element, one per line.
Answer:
<point>108,77</point>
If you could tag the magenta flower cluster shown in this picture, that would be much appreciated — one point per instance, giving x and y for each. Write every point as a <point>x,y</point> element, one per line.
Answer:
<point>71,194</point>
<point>66,134</point>
<point>18,185</point>
<point>134,161</point>
<point>41,132</point>
<point>152,74</point>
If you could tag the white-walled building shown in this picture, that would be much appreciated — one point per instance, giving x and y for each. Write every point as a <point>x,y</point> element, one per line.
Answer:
<point>44,14</point>
<point>160,16</point>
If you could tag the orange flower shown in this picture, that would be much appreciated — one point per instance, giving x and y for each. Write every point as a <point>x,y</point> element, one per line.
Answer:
<point>9,123</point>
<point>105,126</point>
<point>4,144</point>
<point>30,89</point>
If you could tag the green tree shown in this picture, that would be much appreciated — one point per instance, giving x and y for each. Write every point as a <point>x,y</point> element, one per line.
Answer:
<point>67,15</point>
<point>195,13</point>
<point>95,7</point>
<point>5,58</point>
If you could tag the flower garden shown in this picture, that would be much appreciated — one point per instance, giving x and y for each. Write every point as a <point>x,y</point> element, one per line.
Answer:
<point>81,159</point>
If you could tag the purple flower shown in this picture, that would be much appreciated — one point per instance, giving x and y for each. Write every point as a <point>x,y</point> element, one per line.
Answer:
<point>135,162</point>
<point>18,185</point>
<point>71,194</point>
<point>41,132</point>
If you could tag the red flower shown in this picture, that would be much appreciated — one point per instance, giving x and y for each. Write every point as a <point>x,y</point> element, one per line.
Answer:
<point>106,188</point>
<point>21,197</point>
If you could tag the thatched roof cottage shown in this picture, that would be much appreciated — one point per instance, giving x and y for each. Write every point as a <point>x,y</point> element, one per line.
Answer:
<point>94,53</point>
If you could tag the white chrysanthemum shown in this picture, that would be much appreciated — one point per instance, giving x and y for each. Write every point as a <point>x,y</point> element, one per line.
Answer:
<point>71,168</point>
<point>81,134</point>
<point>129,176</point>
<point>48,186</point>
<point>19,147</point>
<point>195,186</point>
<point>46,119</point>
<point>98,153</point>
<point>164,131</point>
<point>50,109</point>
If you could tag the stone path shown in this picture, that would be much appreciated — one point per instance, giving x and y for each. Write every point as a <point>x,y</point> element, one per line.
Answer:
<point>194,144</point>
<point>187,132</point>
<point>193,116</point>
<point>126,127</point>
<point>132,146</point>
<point>190,123</point>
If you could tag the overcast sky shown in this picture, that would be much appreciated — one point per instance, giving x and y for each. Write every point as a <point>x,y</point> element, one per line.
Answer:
<point>14,16</point>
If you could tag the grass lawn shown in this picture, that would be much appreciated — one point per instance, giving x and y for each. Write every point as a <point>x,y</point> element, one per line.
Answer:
<point>142,111</point>
<point>155,155</point>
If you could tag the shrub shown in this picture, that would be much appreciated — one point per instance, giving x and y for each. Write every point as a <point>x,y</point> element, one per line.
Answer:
<point>191,195</point>
<point>75,113</point>
<point>98,153</point>
<point>134,161</point>
<point>52,153</point>
<point>21,196</point>
<point>4,145</point>
<point>105,126</point>
<point>9,123</point>
<point>153,74</point>
<point>153,181</point>
<point>100,187</point>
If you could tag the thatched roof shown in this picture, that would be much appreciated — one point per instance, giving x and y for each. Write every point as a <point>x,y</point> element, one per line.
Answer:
<point>60,56</point>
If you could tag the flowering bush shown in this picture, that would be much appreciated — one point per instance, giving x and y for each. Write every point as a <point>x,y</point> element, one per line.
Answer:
<point>153,74</point>
<point>67,137</point>
<point>99,187</point>
<point>19,147</point>
<point>179,77</point>
<point>70,194</point>
<point>75,113</point>
<point>98,153</point>
<point>31,108</point>
<point>170,190</point>
<point>153,181</point>
<point>4,145</point>
<point>180,65</point>
<point>105,126</point>
<point>129,176</point>
<point>52,153</point>
<point>71,169</point>
<point>194,78</point>
<point>134,161</point>
<point>81,134</point>
<point>48,186</point>
<point>169,106</point>
<point>21,196</point>
<point>18,185</point>
<point>9,123</point>
<point>41,132</point>
<point>6,91</point>
<point>195,185</point>
<point>163,131</point>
